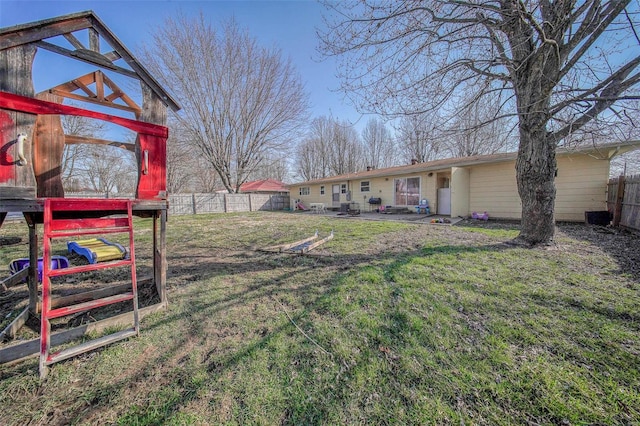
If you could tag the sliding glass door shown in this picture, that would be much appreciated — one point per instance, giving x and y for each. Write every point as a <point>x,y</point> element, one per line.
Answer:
<point>407,191</point>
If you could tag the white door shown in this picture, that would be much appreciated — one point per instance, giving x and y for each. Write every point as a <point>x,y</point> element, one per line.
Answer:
<point>444,201</point>
<point>335,195</point>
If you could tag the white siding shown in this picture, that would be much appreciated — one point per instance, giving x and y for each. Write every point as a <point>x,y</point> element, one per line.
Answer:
<point>581,186</point>
<point>493,190</point>
<point>460,191</point>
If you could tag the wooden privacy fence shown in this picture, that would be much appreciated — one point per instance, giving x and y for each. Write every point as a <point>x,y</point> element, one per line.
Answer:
<point>225,203</point>
<point>208,203</point>
<point>623,200</point>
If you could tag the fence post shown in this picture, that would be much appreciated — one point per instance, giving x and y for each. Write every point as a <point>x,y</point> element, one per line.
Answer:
<point>249,195</point>
<point>225,203</point>
<point>617,210</point>
<point>193,202</point>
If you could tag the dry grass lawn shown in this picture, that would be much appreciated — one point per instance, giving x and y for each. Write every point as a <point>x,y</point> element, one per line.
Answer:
<point>389,323</point>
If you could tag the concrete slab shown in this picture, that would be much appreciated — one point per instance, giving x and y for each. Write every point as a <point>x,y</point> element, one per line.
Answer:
<point>398,217</point>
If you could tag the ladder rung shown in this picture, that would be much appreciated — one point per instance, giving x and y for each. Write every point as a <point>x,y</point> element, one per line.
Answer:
<point>85,306</point>
<point>87,204</point>
<point>90,345</point>
<point>89,268</point>
<point>69,218</point>
<point>72,224</point>
<point>62,234</point>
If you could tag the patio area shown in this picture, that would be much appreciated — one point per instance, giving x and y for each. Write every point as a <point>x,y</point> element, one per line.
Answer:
<point>430,219</point>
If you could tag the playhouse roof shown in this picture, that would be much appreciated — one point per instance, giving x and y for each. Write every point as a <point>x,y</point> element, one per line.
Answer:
<point>37,32</point>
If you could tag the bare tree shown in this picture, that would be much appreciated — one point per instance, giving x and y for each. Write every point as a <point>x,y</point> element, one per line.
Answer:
<point>109,169</point>
<point>272,166</point>
<point>420,138</point>
<point>203,177</point>
<point>563,63</point>
<point>378,146</point>
<point>345,149</point>
<point>476,128</point>
<point>180,160</point>
<point>322,129</point>
<point>600,131</point>
<point>309,163</point>
<point>240,100</point>
<point>331,148</point>
<point>74,155</point>
<point>626,164</point>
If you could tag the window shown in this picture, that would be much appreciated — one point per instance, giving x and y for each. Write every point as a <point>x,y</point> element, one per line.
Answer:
<point>343,188</point>
<point>407,191</point>
<point>304,190</point>
<point>322,190</point>
<point>364,186</point>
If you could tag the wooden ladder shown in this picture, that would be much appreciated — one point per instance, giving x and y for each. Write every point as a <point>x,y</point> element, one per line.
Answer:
<point>68,217</point>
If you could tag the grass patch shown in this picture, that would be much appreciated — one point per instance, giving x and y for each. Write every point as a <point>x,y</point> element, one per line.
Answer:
<point>395,323</point>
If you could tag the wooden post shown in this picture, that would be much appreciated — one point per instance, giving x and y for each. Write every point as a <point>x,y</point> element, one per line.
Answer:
<point>163,256</point>
<point>193,202</point>
<point>153,111</point>
<point>159,254</point>
<point>32,281</point>
<point>16,65</point>
<point>156,252</point>
<point>47,146</point>
<point>225,203</point>
<point>617,210</point>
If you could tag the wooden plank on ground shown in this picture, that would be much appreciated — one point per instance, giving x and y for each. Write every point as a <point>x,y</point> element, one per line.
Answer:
<point>14,279</point>
<point>283,247</point>
<point>317,243</point>
<point>95,294</point>
<point>31,348</point>
<point>10,331</point>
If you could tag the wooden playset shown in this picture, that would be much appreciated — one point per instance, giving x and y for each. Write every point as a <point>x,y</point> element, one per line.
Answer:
<point>32,142</point>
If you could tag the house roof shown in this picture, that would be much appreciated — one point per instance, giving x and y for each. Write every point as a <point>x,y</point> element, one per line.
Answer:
<point>265,185</point>
<point>603,151</point>
<point>37,32</point>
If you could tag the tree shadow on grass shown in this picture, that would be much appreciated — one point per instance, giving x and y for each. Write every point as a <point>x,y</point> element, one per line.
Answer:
<point>620,244</point>
<point>297,284</point>
<point>304,285</point>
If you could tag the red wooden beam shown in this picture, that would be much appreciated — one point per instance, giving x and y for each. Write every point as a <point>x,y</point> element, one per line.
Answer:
<point>84,204</point>
<point>35,106</point>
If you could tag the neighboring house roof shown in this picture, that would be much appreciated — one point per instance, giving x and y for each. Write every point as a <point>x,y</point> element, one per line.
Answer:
<point>265,185</point>
<point>37,32</point>
<point>604,151</point>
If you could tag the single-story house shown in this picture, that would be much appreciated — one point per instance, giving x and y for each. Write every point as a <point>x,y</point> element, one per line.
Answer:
<point>265,186</point>
<point>460,186</point>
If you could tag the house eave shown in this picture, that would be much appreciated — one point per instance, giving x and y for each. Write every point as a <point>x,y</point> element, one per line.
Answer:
<point>603,151</point>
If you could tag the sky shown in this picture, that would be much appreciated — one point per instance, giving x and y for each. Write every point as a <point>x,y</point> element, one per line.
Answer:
<point>288,25</point>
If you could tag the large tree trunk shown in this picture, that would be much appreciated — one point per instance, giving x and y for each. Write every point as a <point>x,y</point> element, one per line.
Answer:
<point>534,79</point>
<point>535,173</point>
